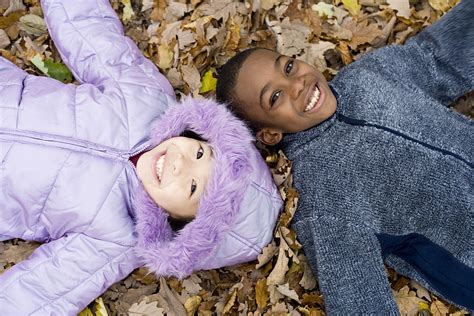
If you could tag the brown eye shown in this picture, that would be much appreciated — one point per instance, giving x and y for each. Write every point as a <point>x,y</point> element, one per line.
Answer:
<point>274,98</point>
<point>289,66</point>
<point>200,152</point>
<point>193,187</point>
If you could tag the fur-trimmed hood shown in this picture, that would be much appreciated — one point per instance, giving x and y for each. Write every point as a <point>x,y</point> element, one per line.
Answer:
<point>237,212</point>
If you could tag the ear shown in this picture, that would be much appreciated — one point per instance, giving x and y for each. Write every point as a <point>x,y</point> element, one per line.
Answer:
<point>269,136</point>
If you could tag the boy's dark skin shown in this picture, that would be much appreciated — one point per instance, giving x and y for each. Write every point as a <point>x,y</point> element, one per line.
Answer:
<point>277,95</point>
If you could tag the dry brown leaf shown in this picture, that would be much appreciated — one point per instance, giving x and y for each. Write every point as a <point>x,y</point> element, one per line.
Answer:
<point>230,301</point>
<point>408,303</point>
<point>285,290</point>
<point>362,32</point>
<point>277,276</point>
<point>437,308</point>
<point>261,293</point>
<point>442,5</point>
<point>192,77</point>
<point>401,6</point>
<point>17,253</point>
<point>191,305</point>
<point>267,254</point>
<point>308,281</point>
<point>4,39</point>
<point>15,5</point>
<point>145,309</point>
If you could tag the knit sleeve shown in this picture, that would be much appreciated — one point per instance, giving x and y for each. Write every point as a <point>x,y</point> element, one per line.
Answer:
<point>349,267</point>
<point>440,60</point>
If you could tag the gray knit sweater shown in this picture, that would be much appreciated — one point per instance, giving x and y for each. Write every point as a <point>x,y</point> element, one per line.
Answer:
<point>389,178</point>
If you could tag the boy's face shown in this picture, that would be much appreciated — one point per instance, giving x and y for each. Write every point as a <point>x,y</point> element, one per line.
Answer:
<point>282,95</point>
<point>175,174</point>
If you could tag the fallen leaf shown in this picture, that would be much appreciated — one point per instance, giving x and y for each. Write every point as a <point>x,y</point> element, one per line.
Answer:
<point>32,24</point>
<point>209,81</point>
<point>127,11</point>
<point>277,276</point>
<point>408,303</point>
<point>401,6</point>
<point>442,5</point>
<point>261,293</point>
<point>230,301</point>
<point>145,309</point>
<point>352,6</point>
<point>191,305</point>
<point>4,39</point>
<point>437,308</point>
<point>285,290</point>
<point>323,9</point>
<point>15,5</point>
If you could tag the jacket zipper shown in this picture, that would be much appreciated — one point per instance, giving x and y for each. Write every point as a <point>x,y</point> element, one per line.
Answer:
<point>67,143</point>
<point>358,122</point>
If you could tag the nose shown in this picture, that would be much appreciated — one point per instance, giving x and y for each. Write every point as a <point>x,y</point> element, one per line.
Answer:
<point>178,163</point>
<point>297,86</point>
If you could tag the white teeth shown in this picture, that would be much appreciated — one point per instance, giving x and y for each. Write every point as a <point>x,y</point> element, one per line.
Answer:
<point>159,166</point>
<point>314,99</point>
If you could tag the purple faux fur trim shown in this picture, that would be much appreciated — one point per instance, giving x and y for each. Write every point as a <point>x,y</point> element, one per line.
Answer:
<point>165,253</point>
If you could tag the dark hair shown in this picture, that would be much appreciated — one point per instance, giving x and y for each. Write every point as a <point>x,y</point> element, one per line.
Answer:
<point>178,224</point>
<point>190,134</point>
<point>227,76</point>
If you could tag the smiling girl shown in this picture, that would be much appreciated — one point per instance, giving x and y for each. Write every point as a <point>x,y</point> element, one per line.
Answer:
<point>81,172</point>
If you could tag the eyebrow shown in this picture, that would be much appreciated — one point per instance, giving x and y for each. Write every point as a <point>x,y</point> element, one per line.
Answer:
<point>265,88</point>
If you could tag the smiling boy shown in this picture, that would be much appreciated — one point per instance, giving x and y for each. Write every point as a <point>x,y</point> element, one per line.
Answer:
<point>384,169</point>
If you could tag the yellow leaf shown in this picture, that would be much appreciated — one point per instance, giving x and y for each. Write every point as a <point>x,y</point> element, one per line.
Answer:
<point>442,5</point>
<point>127,10</point>
<point>208,82</point>
<point>165,56</point>
<point>191,305</point>
<point>261,293</point>
<point>352,6</point>
<point>86,312</point>
<point>230,302</point>
<point>98,306</point>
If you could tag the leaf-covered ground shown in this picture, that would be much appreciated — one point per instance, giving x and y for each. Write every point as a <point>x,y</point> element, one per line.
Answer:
<point>188,41</point>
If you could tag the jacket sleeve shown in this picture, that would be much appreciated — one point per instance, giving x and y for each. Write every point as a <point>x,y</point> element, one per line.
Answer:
<point>63,276</point>
<point>349,267</point>
<point>90,40</point>
<point>440,60</point>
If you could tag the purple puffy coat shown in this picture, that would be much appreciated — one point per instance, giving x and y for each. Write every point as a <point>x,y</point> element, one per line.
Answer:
<point>65,175</point>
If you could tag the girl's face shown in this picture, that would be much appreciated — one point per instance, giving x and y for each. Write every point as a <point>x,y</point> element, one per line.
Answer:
<point>282,94</point>
<point>175,174</point>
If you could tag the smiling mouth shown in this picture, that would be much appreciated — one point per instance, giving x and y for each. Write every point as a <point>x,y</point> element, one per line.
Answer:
<point>314,99</point>
<point>159,166</point>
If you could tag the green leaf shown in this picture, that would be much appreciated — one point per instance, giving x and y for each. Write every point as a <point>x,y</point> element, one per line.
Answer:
<point>52,69</point>
<point>208,82</point>
<point>58,71</point>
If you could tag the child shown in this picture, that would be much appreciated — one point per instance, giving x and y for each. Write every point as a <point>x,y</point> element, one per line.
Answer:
<point>67,155</point>
<point>384,169</point>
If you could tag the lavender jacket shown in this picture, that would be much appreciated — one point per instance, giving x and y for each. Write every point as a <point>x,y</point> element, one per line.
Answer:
<point>65,175</point>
